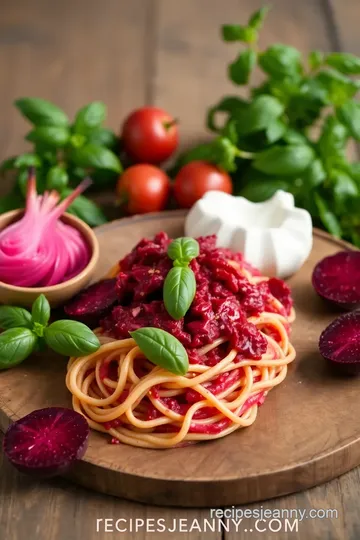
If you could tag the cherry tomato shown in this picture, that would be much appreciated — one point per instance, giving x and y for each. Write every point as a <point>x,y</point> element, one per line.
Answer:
<point>150,135</point>
<point>196,178</point>
<point>143,188</point>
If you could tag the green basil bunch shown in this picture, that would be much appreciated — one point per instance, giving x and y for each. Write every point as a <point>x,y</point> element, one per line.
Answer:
<point>180,283</point>
<point>24,332</point>
<point>64,153</point>
<point>266,140</point>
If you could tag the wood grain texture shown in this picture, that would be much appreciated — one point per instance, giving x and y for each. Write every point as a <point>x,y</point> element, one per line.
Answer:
<point>304,433</point>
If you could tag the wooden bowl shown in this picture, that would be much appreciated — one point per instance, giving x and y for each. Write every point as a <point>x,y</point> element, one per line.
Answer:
<point>56,294</point>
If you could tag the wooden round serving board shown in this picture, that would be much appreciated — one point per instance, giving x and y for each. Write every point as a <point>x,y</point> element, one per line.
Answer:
<point>307,431</point>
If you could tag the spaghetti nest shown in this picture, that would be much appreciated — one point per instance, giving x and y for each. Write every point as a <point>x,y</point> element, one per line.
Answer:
<point>121,393</point>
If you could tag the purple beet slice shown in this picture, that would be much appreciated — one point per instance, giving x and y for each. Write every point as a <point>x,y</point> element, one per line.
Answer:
<point>93,303</point>
<point>337,279</point>
<point>340,343</point>
<point>47,441</point>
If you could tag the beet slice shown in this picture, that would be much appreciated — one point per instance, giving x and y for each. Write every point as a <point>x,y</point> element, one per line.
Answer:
<point>340,343</point>
<point>47,441</point>
<point>93,303</point>
<point>337,279</point>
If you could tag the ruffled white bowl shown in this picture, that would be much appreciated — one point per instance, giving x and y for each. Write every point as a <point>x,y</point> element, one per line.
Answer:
<point>274,236</point>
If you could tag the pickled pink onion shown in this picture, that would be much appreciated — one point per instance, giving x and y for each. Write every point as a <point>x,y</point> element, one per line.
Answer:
<point>40,250</point>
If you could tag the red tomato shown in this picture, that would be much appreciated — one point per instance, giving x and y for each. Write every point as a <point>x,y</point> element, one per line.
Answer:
<point>143,188</point>
<point>196,178</point>
<point>150,135</point>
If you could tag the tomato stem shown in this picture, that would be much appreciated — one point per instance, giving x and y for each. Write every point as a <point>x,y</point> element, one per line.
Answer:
<point>171,123</point>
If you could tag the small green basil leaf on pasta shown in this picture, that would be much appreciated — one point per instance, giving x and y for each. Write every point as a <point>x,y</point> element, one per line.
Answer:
<point>14,317</point>
<point>15,345</point>
<point>162,349</point>
<point>71,338</point>
<point>183,250</point>
<point>179,291</point>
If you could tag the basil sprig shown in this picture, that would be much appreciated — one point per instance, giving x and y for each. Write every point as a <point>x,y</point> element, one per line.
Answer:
<point>180,283</point>
<point>25,332</point>
<point>162,349</point>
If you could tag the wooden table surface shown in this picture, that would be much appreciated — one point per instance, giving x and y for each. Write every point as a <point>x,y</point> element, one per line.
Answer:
<point>166,53</point>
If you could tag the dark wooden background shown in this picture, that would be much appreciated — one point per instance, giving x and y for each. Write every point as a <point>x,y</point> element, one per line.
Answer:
<point>128,53</point>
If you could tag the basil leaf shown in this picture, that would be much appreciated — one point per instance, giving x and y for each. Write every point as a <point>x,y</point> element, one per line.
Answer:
<point>344,189</point>
<point>12,201</point>
<point>15,345</point>
<point>86,210</point>
<point>337,87</point>
<point>349,115</point>
<point>275,131</point>
<point>14,317</point>
<point>40,310</point>
<point>183,249</point>
<point>258,115</point>
<point>162,349</point>
<point>259,189</point>
<point>332,142</point>
<point>347,63</point>
<point>315,174</point>
<point>179,291</point>
<point>103,137</point>
<point>256,20</point>
<point>71,338</point>
<point>315,59</point>
<point>229,105</point>
<point>41,112</point>
<point>57,178</point>
<point>27,160</point>
<point>294,137</point>
<point>8,164</point>
<point>280,61</point>
<point>235,32</point>
<point>239,71</point>
<point>284,160</point>
<point>92,155</point>
<point>56,136</point>
<point>90,117</point>
<point>328,218</point>
<point>220,151</point>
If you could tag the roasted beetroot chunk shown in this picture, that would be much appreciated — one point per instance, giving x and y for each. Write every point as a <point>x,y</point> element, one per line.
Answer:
<point>340,343</point>
<point>93,303</point>
<point>46,442</point>
<point>337,279</point>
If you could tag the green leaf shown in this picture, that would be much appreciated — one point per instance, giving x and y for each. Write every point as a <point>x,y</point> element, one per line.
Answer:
<point>235,32</point>
<point>103,137</point>
<point>40,310</point>
<point>90,117</point>
<point>284,160</point>
<point>275,131</point>
<point>259,190</point>
<point>257,19</point>
<point>8,164</point>
<point>92,155</point>
<point>239,71</point>
<point>337,87</point>
<point>344,189</point>
<point>27,160</point>
<point>347,63</point>
<point>228,105</point>
<point>162,349</point>
<point>183,250</point>
<point>12,201</point>
<point>56,136</point>
<point>14,317</point>
<point>349,115</point>
<point>221,151</point>
<point>291,136</point>
<point>315,59</point>
<point>22,181</point>
<point>71,338</point>
<point>280,61</point>
<point>332,141</point>
<point>86,210</point>
<point>179,291</point>
<point>315,175</point>
<point>328,218</point>
<point>16,344</point>
<point>57,178</point>
<point>261,112</point>
<point>41,112</point>
<point>354,169</point>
